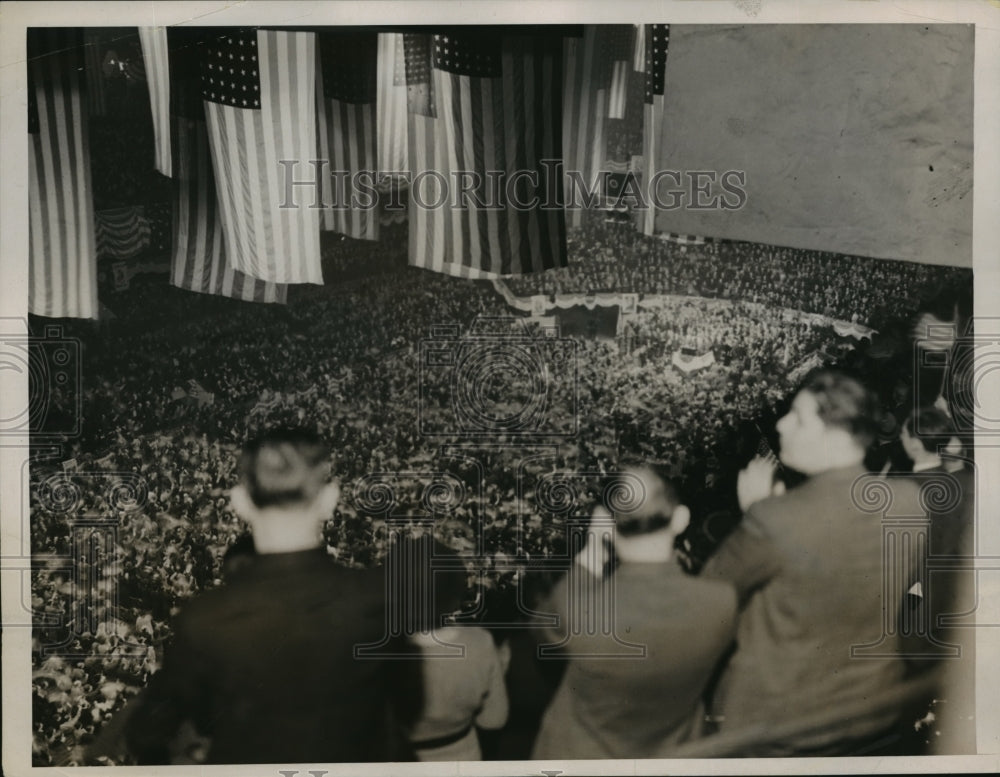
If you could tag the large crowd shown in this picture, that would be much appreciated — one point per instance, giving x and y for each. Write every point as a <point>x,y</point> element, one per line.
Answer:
<point>176,384</point>
<point>616,257</point>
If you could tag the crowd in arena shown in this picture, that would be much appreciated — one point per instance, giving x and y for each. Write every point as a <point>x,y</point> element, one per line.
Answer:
<point>620,258</point>
<point>175,385</point>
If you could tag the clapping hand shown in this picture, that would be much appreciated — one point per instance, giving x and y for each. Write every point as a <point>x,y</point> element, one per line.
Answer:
<point>756,481</point>
<point>595,554</point>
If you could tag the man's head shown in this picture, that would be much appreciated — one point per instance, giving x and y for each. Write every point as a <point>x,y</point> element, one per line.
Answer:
<point>650,514</point>
<point>935,428</point>
<point>830,424</point>
<point>284,493</point>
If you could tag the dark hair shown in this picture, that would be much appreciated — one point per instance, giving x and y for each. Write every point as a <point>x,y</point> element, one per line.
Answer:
<point>933,423</point>
<point>846,403</point>
<point>639,513</point>
<point>284,467</point>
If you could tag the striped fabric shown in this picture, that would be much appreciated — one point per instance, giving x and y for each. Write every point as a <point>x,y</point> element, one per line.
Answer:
<point>94,45</point>
<point>346,93</point>
<point>585,110</point>
<point>198,259</point>
<point>155,56</point>
<point>618,40</point>
<point>62,278</point>
<point>260,104</point>
<point>122,233</point>
<point>198,262</point>
<point>639,53</point>
<point>498,114</point>
<point>390,128</point>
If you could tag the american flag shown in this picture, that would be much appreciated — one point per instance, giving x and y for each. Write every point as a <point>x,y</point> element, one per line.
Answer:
<point>390,128</point>
<point>498,117</point>
<point>198,261</point>
<point>62,279</point>
<point>656,41</point>
<point>259,88</point>
<point>155,55</point>
<point>347,90</point>
<point>619,41</point>
<point>585,111</point>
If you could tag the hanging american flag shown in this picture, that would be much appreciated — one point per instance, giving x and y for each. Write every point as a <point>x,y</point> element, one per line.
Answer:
<point>585,111</point>
<point>155,55</point>
<point>347,91</point>
<point>417,58</point>
<point>259,88</point>
<point>198,261</point>
<point>619,41</point>
<point>479,184</point>
<point>390,128</point>
<point>62,279</point>
<point>657,40</point>
<point>95,42</point>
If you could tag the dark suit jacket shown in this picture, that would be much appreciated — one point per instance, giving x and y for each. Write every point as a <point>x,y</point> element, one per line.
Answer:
<point>265,667</point>
<point>810,567</point>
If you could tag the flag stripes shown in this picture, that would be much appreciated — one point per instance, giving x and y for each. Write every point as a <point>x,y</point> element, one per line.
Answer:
<point>62,279</point>
<point>155,54</point>
<point>391,107</point>
<point>585,110</point>
<point>347,137</point>
<point>618,43</point>
<point>618,91</point>
<point>198,262</point>
<point>250,137</point>
<point>347,145</point>
<point>488,131</point>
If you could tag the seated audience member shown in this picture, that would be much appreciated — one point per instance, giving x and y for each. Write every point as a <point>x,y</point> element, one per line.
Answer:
<point>461,669</point>
<point>264,666</point>
<point>646,699</point>
<point>808,564</point>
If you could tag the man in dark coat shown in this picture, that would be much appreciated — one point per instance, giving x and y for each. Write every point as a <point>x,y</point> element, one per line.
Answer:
<point>265,665</point>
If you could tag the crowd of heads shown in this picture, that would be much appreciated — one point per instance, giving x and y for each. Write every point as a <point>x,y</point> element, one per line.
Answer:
<point>344,361</point>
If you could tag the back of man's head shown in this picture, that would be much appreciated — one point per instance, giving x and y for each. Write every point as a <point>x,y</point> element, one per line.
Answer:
<point>284,468</point>
<point>640,500</point>
<point>844,402</point>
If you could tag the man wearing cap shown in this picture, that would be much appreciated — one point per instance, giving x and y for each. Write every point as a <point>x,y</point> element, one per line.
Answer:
<point>638,693</point>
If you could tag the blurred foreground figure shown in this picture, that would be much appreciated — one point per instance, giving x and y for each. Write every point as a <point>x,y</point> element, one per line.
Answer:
<point>264,666</point>
<point>811,571</point>
<point>944,600</point>
<point>642,640</point>
<point>461,671</point>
